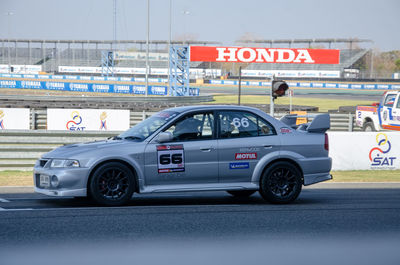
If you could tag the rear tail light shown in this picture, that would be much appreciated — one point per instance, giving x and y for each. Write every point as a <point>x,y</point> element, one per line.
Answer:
<point>326,145</point>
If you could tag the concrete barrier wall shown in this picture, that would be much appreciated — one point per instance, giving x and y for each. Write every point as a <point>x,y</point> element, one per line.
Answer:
<point>349,150</point>
<point>38,119</point>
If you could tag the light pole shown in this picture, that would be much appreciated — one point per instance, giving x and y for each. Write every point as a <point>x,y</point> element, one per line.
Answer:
<point>147,47</point>
<point>8,37</point>
<point>185,13</point>
<point>114,23</point>
<point>169,48</point>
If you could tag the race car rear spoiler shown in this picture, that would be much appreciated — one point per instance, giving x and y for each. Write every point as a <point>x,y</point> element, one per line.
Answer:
<point>320,123</point>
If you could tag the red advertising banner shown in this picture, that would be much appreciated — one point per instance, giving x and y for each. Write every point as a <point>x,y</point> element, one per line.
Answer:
<point>263,55</point>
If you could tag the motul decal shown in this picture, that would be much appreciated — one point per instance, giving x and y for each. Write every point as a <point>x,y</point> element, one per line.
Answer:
<point>245,156</point>
<point>263,55</point>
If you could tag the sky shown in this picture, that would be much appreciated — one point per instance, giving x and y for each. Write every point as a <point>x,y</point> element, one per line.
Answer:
<point>206,20</point>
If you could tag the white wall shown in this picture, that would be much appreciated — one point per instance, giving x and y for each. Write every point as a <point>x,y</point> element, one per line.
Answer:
<point>87,119</point>
<point>364,150</point>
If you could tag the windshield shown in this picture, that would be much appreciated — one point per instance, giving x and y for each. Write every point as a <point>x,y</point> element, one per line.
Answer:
<point>145,128</point>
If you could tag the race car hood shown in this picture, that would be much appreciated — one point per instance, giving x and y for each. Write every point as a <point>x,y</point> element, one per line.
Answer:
<point>73,150</point>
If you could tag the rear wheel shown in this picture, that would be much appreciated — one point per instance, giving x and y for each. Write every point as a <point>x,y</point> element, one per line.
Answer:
<point>241,193</point>
<point>369,127</point>
<point>112,184</point>
<point>281,183</point>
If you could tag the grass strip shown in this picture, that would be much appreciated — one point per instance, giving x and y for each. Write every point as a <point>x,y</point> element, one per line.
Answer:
<point>324,104</point>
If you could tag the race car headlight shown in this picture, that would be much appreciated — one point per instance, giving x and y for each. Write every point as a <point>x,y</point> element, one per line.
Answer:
<point>64,163</point>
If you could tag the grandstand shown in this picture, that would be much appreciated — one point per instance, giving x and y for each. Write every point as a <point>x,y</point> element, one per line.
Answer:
<point>348,56</point>
<point>51,54</point>
<point>347,59</point>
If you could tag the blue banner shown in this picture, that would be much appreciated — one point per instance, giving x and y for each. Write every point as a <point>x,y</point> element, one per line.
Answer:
<point>91,87</point>
<point>85,87</point>
<point>86,78</point>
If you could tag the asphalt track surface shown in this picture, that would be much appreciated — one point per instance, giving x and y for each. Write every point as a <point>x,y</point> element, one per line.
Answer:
<point>339,223</point>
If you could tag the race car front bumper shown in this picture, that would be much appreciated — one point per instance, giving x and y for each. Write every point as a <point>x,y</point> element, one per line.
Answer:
<point>70,182</point>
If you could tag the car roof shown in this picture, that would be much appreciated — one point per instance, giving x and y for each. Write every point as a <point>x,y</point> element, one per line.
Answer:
<point>211,107</point>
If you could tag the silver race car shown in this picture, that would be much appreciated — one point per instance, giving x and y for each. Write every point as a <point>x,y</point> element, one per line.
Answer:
<point>237,149</point>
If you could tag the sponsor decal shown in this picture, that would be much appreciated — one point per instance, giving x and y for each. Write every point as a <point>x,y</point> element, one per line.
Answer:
<point>249,149</point>
<point>318,85</point>
<point>103,120</point>
<point>379,156</point>
<point>158,90</point>
<point>2,120</point>
<point>55,85</point>
<point>239,165</point>
<point>122,89</point>
<point>245,156</point>
<point>263,55</point>
<point>366,108</point>
<point>79,87</point>
<point>385,115</point>
<point>8,83</point>
<point>73,125</point>
<point>170,158</point>
<point>329,85</point>
<point>286,130</point>
<point>101,88</point>
<point>31,84</point>
<point>383,86</point>
<point>138,89</point>
<point>356,86</point>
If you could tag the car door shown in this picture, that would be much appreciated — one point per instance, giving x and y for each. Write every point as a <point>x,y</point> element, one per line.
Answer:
<point>243,139</point>
<point>190,158</point>
<point>389,112</point>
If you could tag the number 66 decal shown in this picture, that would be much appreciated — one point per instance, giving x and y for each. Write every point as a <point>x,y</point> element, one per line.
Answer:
<point>170,158</point>
<point>243,122</point>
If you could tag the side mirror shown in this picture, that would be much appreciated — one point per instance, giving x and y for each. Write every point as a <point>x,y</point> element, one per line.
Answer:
<point>164,137</point>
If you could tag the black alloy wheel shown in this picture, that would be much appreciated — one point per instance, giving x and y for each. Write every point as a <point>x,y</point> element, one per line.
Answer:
<point>281,183</point>
<point>112,184</point>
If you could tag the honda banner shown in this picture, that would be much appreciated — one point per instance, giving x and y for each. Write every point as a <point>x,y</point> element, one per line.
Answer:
<point>263,55</point>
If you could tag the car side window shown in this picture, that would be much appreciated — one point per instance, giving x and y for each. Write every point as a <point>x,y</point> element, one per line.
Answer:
<point>235,124</point>
<point>398,102</point>
<point>197,126</point>
<point>389,100</point>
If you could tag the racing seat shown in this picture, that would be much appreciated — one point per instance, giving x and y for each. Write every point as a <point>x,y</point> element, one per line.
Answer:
<point>226,128</point>
<point>188,129</point>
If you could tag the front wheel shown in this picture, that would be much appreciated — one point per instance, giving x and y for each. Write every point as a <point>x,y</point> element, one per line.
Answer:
<point>112,184</point>
<point>281,183</point>
<point>369,127</point>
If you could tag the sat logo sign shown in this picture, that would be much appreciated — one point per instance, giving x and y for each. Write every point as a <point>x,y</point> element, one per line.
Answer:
<point>380,156</point>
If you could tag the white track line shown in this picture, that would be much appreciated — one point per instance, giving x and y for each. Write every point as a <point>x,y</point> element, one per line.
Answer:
<point>13,210</point>
<point>4,200</point>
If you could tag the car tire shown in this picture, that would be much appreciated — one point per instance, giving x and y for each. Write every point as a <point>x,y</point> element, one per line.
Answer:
<point>241,193</point>
<point>369,127</point>
<point>281,183</point>
<point>112,184</point>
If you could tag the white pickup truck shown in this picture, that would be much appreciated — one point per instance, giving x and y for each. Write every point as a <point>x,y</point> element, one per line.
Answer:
<point>382,116</point>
